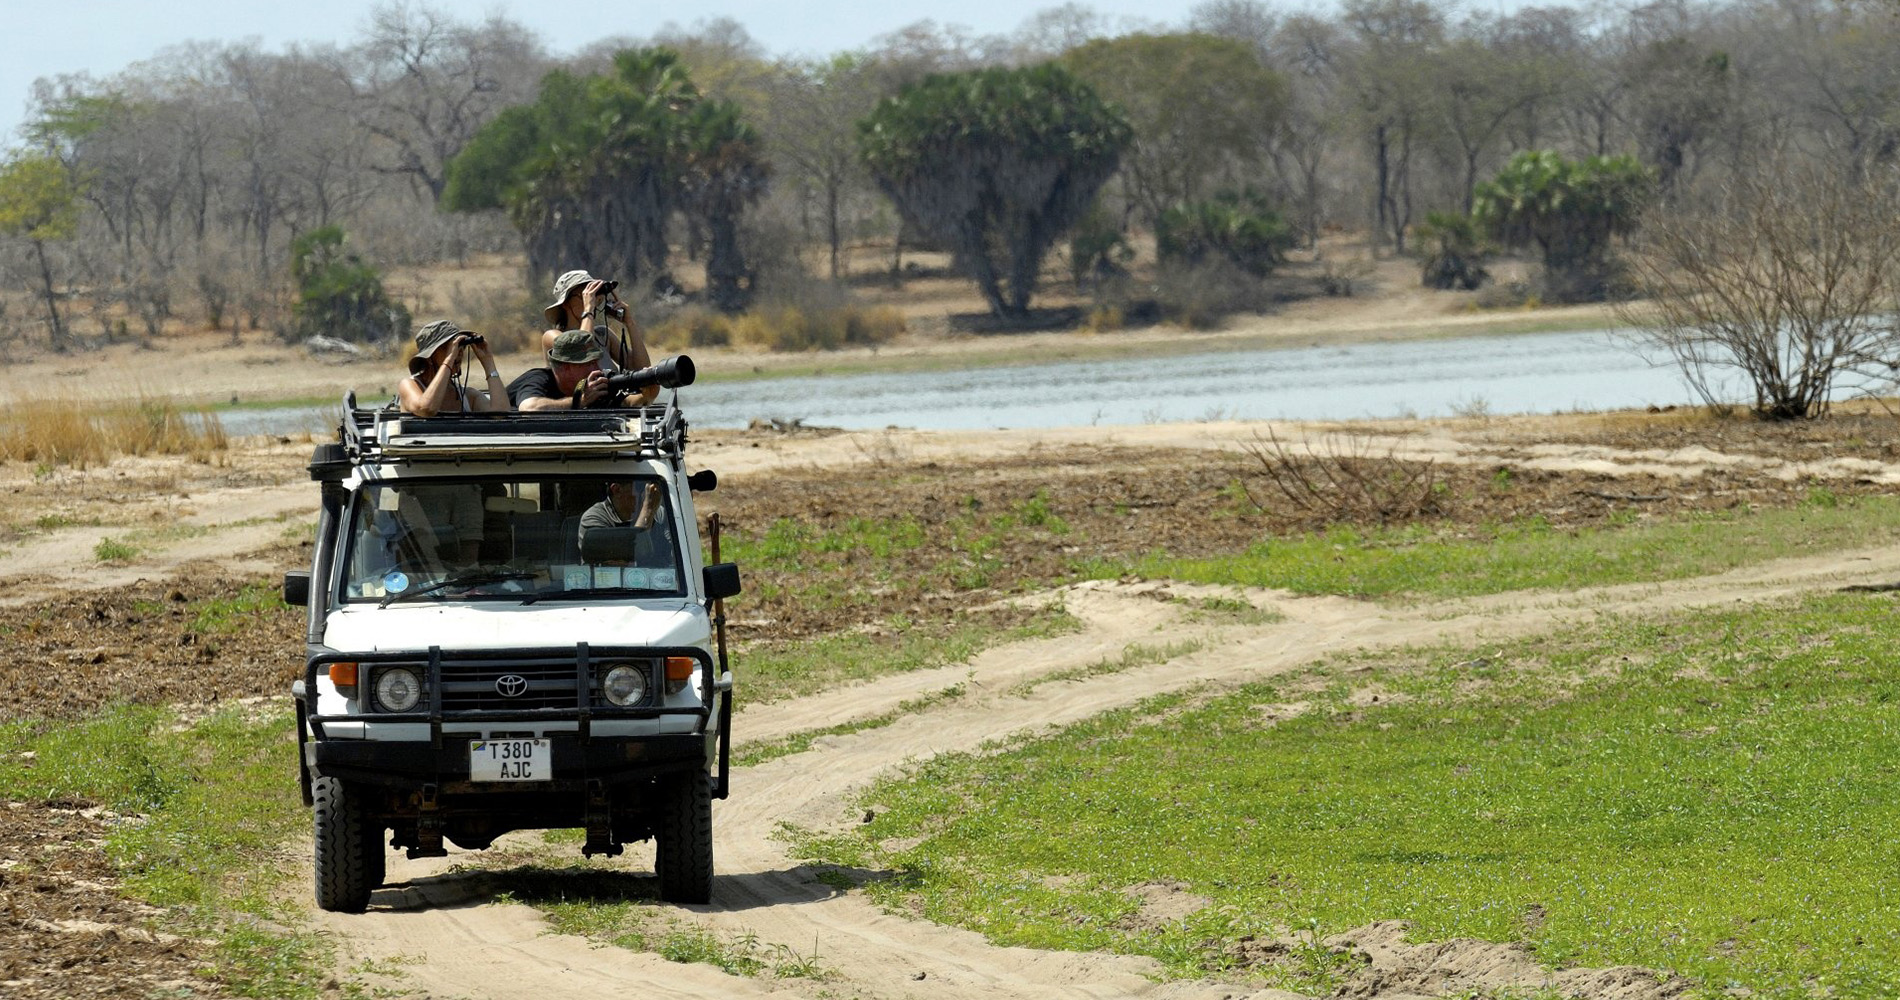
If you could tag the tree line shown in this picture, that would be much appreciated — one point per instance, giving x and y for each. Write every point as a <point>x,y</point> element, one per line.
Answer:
<point>181,186</point>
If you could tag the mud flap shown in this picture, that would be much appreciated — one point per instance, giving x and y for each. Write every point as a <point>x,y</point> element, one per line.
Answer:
<point>723,784</point>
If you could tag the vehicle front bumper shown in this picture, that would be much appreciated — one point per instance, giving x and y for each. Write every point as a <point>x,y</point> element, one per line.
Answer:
<point>576,763</point>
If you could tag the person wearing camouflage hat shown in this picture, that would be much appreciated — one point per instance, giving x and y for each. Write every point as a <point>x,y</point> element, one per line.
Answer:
<point>584,302</point>
<point>572,379</point>
<point>434,382</point>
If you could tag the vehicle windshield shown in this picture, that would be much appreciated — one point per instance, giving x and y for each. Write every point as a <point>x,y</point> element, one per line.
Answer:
<point>512,539</point>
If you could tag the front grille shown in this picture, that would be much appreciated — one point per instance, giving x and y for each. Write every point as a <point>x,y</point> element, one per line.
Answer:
<point>548,685</point>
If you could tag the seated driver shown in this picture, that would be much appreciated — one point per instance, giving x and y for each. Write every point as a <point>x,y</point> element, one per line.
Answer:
<point>626,506</point>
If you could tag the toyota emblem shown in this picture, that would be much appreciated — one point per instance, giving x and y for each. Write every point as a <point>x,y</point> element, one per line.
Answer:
<point>511,685</point>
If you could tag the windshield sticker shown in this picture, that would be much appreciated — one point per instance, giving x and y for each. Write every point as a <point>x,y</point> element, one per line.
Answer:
<point>663,579</point>
<point>395,582</point>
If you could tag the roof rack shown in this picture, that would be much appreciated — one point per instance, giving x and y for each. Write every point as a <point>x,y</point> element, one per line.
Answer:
<point>385,434</point>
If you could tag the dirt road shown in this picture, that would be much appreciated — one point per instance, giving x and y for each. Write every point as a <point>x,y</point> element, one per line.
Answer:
<point>452,938</point>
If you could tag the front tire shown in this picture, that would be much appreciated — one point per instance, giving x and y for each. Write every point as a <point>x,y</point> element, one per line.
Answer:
<point>343,874</point>
<point>683,850</point>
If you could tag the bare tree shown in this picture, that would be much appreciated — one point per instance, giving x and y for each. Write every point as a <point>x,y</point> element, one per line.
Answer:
<point>1478,91</point>
<point>1389,77</point>
<point>1308,51</point>
<point>810,125</point>
<point>424,83</point>
<point>1787,280</point>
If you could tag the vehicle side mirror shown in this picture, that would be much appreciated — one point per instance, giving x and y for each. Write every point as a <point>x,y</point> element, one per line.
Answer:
<point>297,587</point>
<point>722,580</point>
<point>703,481</point>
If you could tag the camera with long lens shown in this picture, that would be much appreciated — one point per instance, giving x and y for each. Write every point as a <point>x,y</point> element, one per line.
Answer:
<point>670,373</point>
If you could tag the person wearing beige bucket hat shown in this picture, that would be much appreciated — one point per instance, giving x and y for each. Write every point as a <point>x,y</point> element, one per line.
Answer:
<point>434,382</point>
<point>584,302</point>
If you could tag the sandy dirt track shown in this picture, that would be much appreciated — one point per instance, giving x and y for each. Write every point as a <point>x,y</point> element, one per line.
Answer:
<point>462,944</point>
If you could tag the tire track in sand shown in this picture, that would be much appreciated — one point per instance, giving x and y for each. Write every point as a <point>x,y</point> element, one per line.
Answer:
<point>454,940</point>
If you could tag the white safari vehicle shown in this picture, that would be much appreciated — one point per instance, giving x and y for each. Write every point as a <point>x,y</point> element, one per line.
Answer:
<point>476,665</point>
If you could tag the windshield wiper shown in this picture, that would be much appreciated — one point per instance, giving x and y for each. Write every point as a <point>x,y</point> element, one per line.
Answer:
<point>465,580</point>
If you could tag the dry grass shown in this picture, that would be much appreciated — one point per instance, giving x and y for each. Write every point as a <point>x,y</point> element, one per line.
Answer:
<point>55,430</point>
<point>780,328</point>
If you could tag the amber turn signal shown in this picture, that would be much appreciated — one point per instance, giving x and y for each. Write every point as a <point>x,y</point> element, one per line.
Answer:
<point>343,674</point>
<point>679,668</point>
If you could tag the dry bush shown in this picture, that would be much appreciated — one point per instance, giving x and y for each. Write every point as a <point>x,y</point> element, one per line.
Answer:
<point>509,318</point>
<point>688,327</point>
<point>1786,281</point>
<point>1353,483</point>
<point>884,451</point>
<point>1105,318</point>
<point>792,328</point>
<point>1343,277</point>
<point>1200,296</point>
<point>1509,295</point>
<point>67,431</point>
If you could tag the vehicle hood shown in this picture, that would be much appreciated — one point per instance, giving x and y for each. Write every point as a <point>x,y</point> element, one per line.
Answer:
<point>506,625</point>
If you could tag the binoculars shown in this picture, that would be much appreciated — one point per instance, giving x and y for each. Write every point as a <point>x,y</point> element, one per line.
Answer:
<point>670,373</point>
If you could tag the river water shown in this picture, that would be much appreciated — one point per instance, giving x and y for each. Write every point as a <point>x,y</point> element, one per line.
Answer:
<point>1519,373</point>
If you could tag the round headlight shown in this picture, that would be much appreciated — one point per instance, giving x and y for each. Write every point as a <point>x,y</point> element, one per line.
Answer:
<point>625,685</point>
<point>397,689</point>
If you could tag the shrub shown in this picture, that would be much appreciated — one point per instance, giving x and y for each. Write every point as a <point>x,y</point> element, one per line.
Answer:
<point>1570,211</point>
<point>338,295</point>
<point>1105,318</point>
<point>1454,252</point>
<point>779,328</point>
<point>1199,296</point>
<point>791,328</point>
<point>692,326</point>
<point>1342,277</point>
<point>1098,250</point>
<point>1240,228</point>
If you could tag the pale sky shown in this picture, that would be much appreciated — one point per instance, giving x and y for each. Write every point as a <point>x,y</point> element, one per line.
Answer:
<point>44,38</point>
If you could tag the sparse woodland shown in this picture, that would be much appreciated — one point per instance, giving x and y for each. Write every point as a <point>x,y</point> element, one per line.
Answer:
<point>171,195</point>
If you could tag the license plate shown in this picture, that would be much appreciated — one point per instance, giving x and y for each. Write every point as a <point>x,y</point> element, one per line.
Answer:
<point>510,760</point>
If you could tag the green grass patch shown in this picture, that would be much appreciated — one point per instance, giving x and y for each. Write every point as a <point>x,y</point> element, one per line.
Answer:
<point>213,799</point>
<point>788,544</point>
<point>252,606</point>
<point>54,522</point>
<point>1530,555</point>
<point>1229,611</point>
<point>1713,795</point>
<point>112,550</point>
<point>773,673</point>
